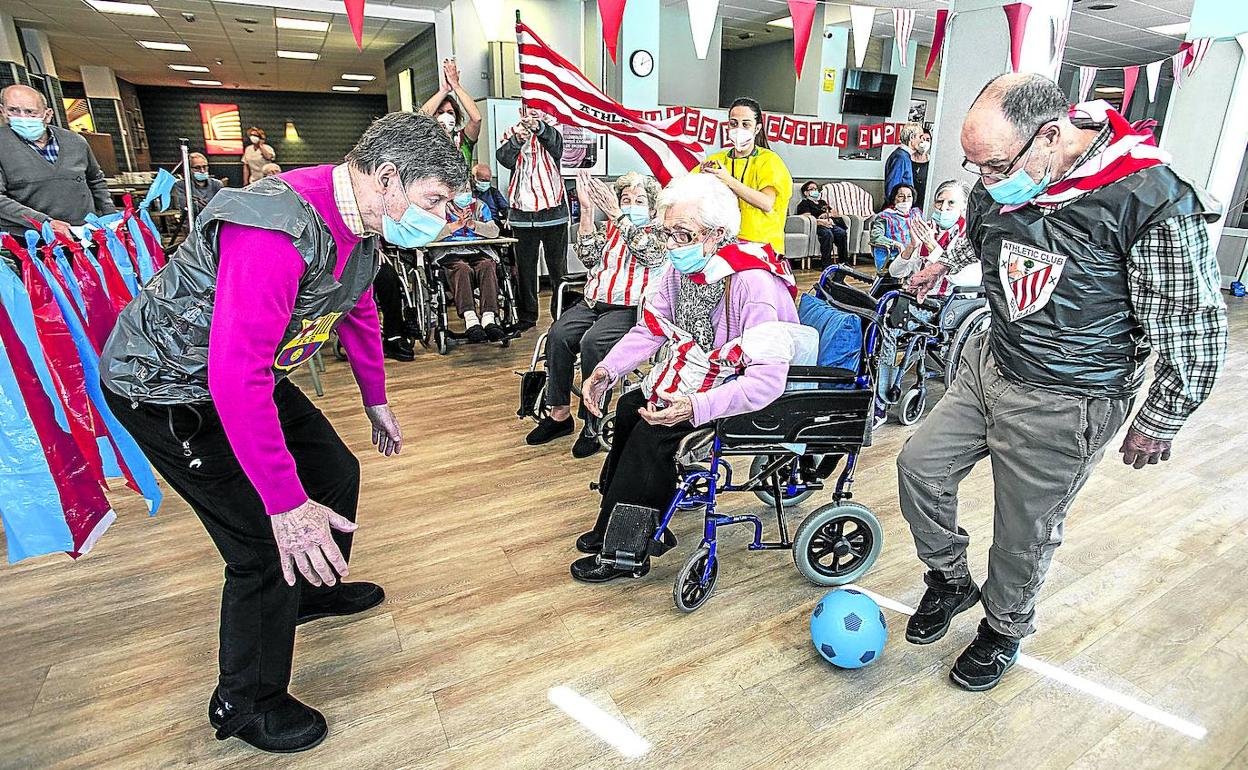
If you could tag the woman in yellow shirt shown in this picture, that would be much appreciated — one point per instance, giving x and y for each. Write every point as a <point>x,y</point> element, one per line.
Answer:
<point>755,174</point>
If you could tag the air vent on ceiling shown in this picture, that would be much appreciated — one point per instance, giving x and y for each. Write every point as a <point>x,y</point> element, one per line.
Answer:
<point>1103,7</point>
<point>245,20</point>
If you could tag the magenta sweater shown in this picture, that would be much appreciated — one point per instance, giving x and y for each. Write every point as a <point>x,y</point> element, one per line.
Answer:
<point>257,282</point>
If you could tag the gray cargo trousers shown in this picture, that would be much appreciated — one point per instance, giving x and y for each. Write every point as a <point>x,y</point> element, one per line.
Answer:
<point>1042,444</point>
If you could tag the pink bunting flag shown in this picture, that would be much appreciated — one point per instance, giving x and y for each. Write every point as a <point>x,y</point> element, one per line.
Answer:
<point>1129,77</point>
<point>612,13</point>
<point>1016,15</point>
<point>938,39</point>
<point>903,26</point>
<point>1087,75</point>
<point>355,17</point>
<point>803,13</point>
<point>1152,73</point>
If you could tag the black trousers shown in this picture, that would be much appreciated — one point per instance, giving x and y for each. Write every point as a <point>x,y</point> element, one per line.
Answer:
<point>590,331</point>
<point>554,243</point>
<point>258,608</point>
<point>389,295</point>
<point>829,236</point>
<point>640,469</point>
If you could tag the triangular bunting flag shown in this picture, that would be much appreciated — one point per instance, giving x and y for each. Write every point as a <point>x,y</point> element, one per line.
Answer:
<point>612,13</point>
<point>1177,63</point>
<point>803,13</point>
<point>702,15</point>
<point>1061,30</point>
<point>1153,73</point>
<point>861,18</point>
<point>938,39</point>
<point>1129,76</point>
<point>1016,15</point>
<point>903,25</point>
<point>1086,76</point>
<point>355,17</point>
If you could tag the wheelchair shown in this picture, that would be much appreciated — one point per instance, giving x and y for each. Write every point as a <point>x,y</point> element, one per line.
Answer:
<point>818,424</point>
<point>415,297</point>
<point>533,402</point>
<point>930,338</point>
<point>436,295</point>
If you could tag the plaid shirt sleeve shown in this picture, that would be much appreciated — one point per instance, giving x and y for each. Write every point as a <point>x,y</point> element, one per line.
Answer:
<point>960,254</point>
<point>1175,287</point>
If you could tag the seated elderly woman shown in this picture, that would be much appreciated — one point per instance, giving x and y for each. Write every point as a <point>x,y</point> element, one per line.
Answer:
<point>891,229</point>
<point>725,308</point>
<point>623,257</point>
<point>468,220</point>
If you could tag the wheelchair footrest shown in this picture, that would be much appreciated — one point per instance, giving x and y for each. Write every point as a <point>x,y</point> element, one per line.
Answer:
<point>628,540</point>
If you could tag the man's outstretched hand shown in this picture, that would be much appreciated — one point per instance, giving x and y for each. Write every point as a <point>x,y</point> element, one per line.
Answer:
<point>304,543</point>
<point>386,434</point>
<point>1139,450</point>
<point>926,279</point>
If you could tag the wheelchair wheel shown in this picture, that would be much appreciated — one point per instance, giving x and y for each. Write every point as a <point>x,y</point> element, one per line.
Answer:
<point>837,544</point>
<point>975,323</point>
<point>912,406</point>
<point>689,592</point>
<point>606,430</point>
<point>441,341</point>
<point>541,409</point>
<point>764,494</point>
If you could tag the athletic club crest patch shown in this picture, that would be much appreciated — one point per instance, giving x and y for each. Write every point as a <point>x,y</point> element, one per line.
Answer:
<point>1029,276</point>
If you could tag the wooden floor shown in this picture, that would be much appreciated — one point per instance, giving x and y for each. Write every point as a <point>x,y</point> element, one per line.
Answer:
<point>109,662</point>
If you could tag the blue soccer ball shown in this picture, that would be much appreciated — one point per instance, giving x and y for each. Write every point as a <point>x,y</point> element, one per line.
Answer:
<point>848,628</point>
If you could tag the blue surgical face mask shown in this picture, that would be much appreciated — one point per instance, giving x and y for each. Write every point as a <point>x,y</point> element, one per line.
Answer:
<point>415,229</point>
<point>638,215</point>
<point>812,194</point>
<point>689,259</point>
<point>200,176</point>
<point>945,219</point>
<point>1018,188</point>
<point>30,129</point>
<point>464,199</point>
<point>481,186</point>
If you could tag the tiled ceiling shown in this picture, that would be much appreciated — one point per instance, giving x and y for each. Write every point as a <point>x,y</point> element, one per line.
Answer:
<point>237,52</point>
<point>1115,37</point>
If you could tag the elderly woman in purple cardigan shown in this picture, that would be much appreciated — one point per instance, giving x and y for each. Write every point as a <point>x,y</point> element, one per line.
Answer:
<point>723,308</point>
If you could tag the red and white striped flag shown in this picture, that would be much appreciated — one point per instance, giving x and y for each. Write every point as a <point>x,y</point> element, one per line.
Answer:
<point>1060,30</point>
<point>554,85</point>
<point>903,25</point>
<point>1196,53</point>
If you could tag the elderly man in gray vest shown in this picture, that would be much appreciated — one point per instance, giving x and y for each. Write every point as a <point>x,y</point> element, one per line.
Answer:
<point>198,370</point>
<point>47,174</point>
<point>1095,254</point>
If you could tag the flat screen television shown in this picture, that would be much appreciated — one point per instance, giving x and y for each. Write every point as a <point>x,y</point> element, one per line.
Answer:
<point>868,93</point>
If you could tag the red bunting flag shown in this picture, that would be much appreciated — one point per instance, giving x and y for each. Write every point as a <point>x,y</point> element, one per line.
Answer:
<point>612,13</point>
<point>787,127</point>
<point>771,126</point>
<point>801,133</point>
<point>803,14</point>
<point>355,17</point>
<point>938,39</point>
<point>1129,76</point>
<point>1016,14</point>
<point>890,133</point>
<point>840,135</point>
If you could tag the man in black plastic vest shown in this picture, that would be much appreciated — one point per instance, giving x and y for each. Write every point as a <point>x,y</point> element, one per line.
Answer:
<point>1095,254</point>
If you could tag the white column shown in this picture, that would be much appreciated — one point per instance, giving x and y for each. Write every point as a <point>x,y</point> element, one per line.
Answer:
<point>976,49</point>
<point>1205,130</point>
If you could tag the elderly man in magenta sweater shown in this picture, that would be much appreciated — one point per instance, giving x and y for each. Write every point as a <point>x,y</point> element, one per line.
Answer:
<point>198,367</point>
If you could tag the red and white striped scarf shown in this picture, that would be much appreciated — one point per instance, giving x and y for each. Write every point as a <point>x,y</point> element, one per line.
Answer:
<point>536,183</point>
<point>943,239</point>
<point>619,279</point>
<point>745,255</point>
<point>1129,150</point>
<point>687,369</point>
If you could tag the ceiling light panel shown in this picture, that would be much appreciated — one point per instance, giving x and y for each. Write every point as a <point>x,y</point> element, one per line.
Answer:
<point>346,88</point>
<point>305,55</point>
<point>124,9</point>
<point>153,45</point>
<point>307,25</point>
<point>1171,29</point>
<point>188,68</point>
<point>204,82</point>
<point>362,78</point>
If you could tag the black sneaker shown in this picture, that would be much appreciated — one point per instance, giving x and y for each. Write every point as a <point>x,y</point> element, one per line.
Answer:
<point>943,600</point>
<point>589,570</point>
<point>586,445</point>
<point>985,661</point>
<point>495,333</point>
<point>476,333</point>
<point>549,430</point>
<point>289,727</point>
<point>398,348</point>
<point>344,599</point>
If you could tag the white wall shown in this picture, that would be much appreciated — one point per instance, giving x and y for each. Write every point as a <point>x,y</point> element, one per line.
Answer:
<point>684,79</point>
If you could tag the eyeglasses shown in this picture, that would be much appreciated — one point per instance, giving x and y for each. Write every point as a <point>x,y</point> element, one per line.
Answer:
<point>999,171</point>
<point>678,235</point>
<point>20,112</point>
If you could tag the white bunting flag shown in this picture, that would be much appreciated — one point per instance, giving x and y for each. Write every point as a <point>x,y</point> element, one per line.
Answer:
<point>702,15</point>
<point>1176,67</point>
<point>1060,30</point>
<point>1153,72</point>
<point>861,18</point>
<point>903,25</point>
<point>1086,76</point>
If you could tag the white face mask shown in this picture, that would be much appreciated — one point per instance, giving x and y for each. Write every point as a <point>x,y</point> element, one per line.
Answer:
<point>924,146</point>
<point>903,207</point>
<point>741,138</point>
<point>255,139</point>
<point>447,121</point>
